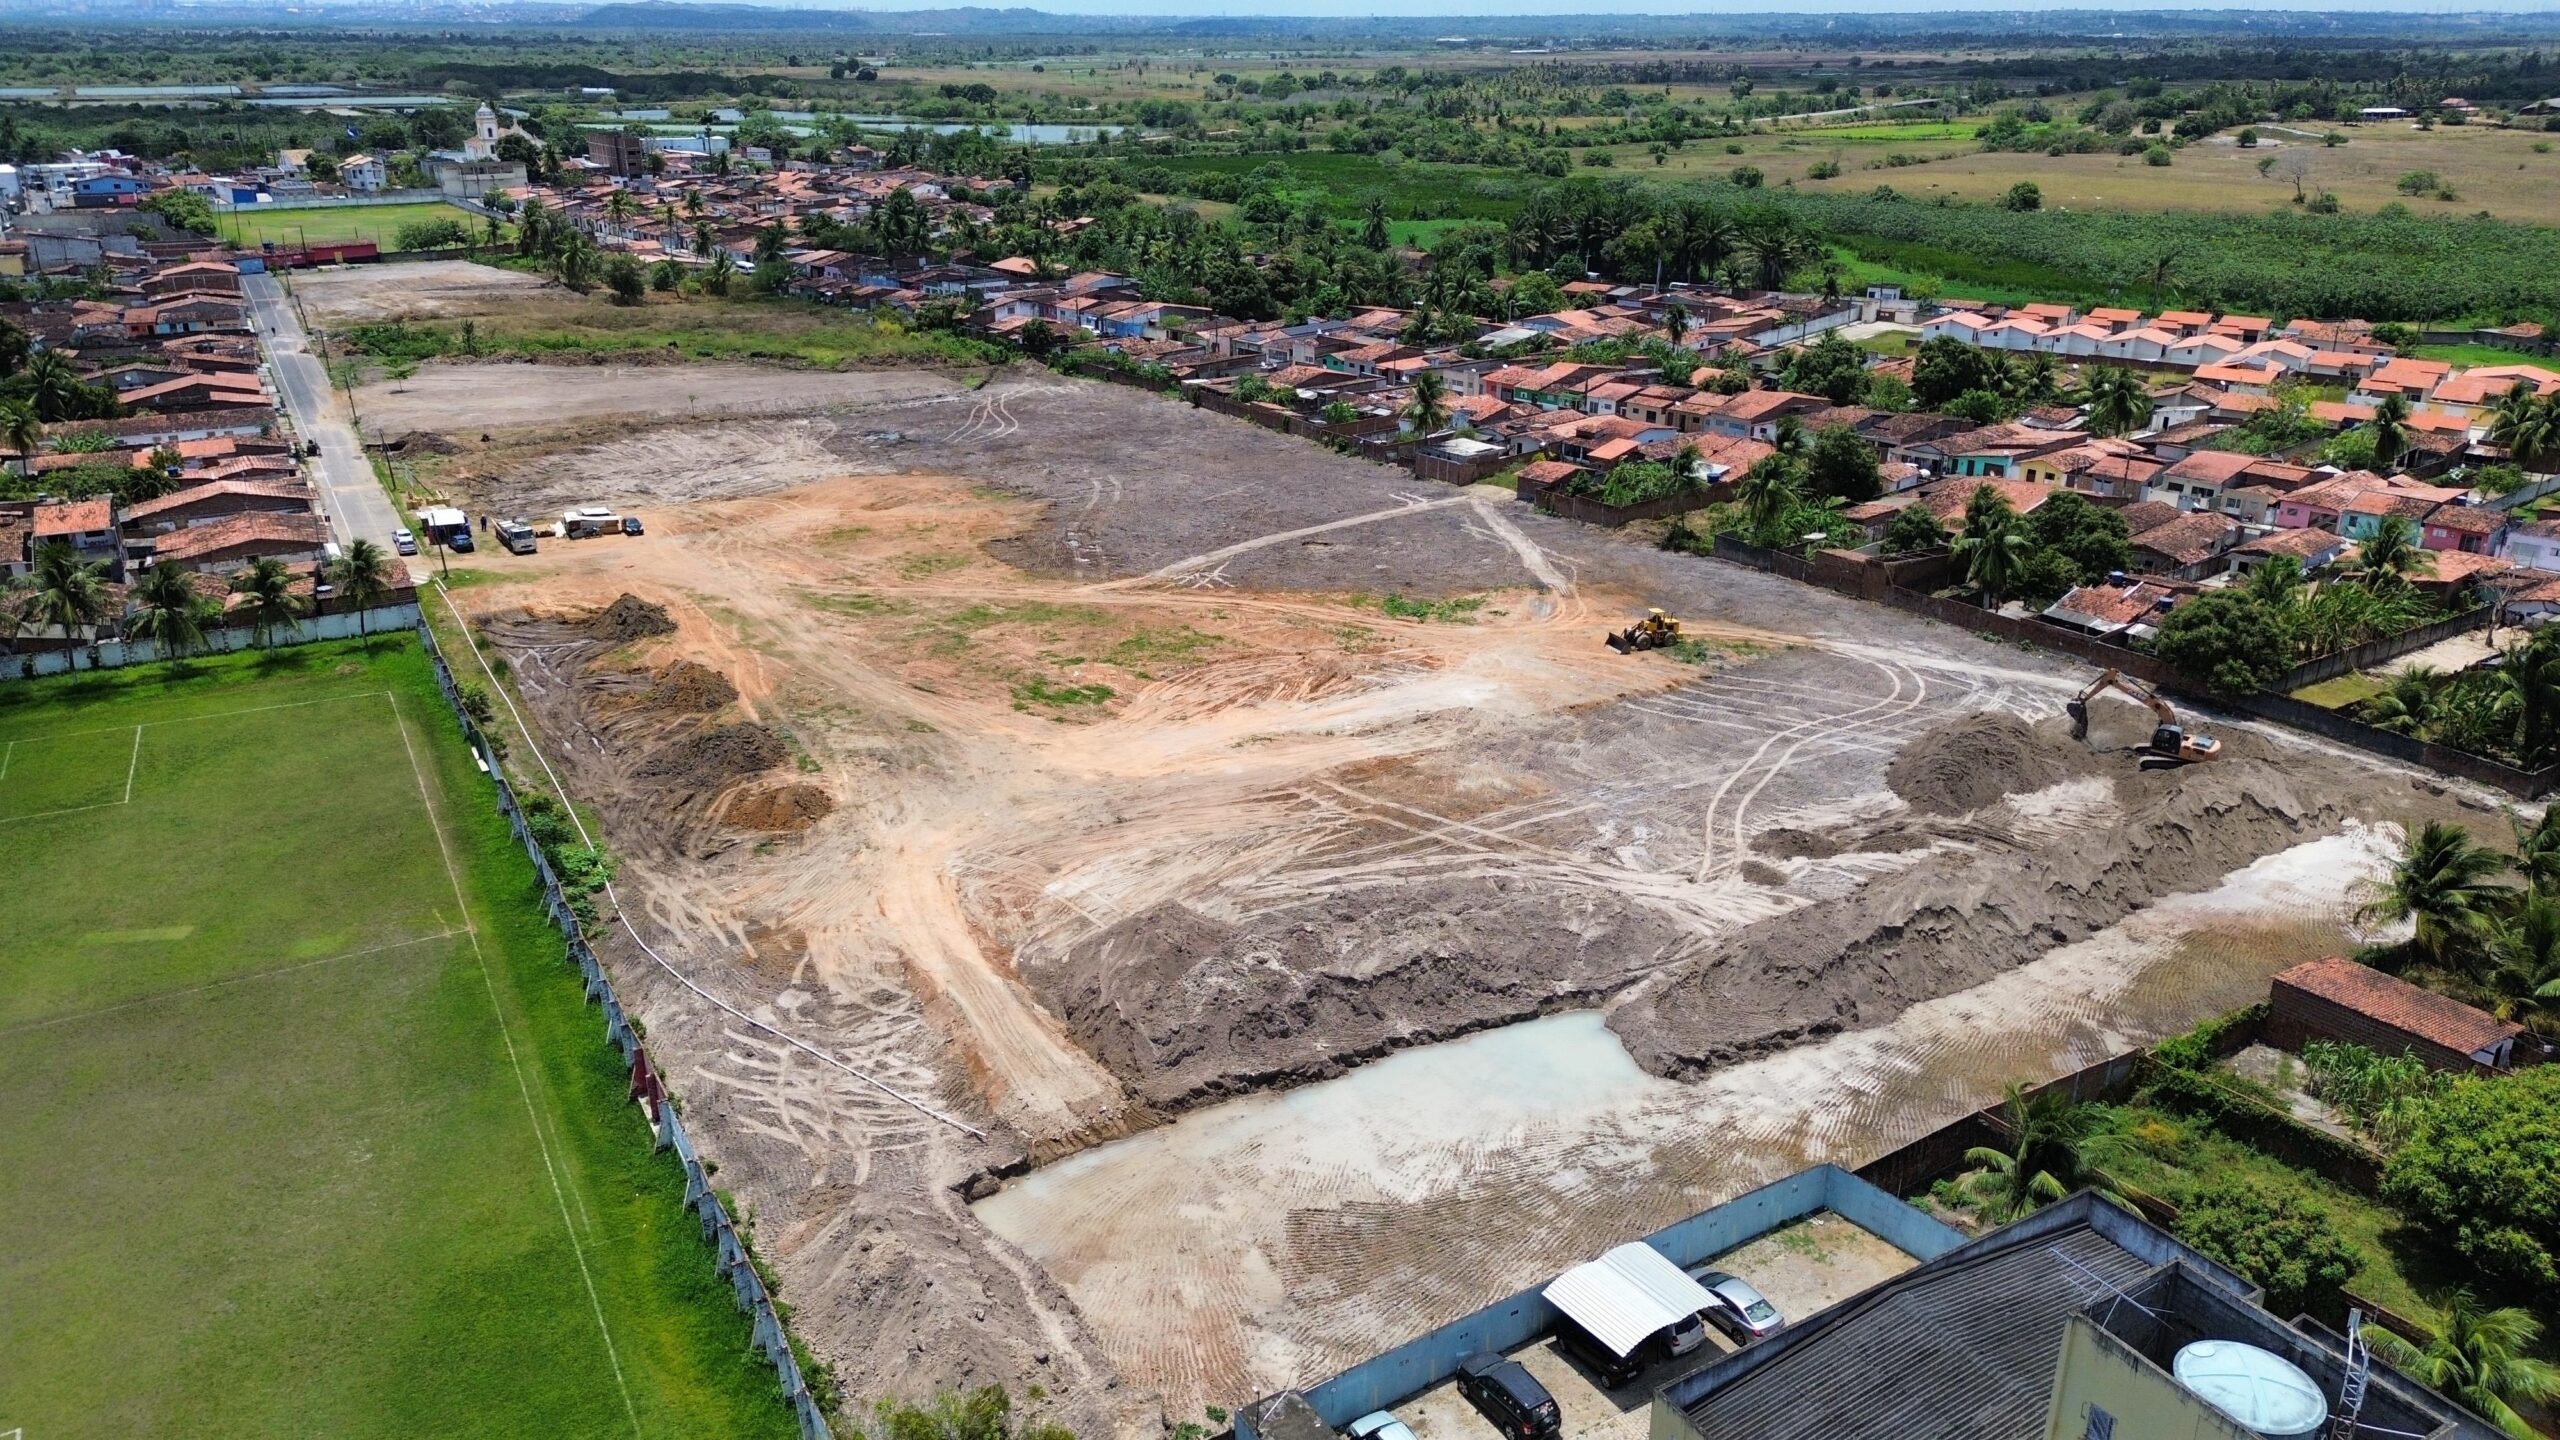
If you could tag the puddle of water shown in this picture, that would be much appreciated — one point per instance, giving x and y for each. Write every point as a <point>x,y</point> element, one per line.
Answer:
<point>1303,1229</point>
<point>1380,1118</point>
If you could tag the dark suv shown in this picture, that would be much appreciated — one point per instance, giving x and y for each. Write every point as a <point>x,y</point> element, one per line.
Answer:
<point>1614,1370</point>
<point>1508,1395</point>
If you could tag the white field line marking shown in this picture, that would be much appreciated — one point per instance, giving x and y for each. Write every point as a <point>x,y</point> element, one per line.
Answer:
<point>623,915</point>
<point>280,970</point>
<point>133,765</point>
<point>213,715</point>
<point>5,752</point>
<point>559,1193</point>
<point>1180,568</point>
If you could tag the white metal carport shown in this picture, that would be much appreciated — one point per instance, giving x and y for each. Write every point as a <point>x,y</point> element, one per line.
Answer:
<point>1627,1295</point>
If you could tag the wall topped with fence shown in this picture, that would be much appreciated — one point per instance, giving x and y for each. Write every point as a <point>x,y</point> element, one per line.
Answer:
<point>53,657</point>
<point>735,1264</point>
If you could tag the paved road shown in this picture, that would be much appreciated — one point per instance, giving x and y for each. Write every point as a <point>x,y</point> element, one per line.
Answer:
<point>355,500</point>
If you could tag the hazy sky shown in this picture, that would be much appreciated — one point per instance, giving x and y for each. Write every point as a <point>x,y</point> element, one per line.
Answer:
<point>1457,10</point>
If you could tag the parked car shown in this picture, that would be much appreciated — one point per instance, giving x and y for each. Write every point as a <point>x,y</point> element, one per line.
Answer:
<point>1504,1392</point>
<point>403,541</point>
<point>1745,1313</point>
<point>1378,1425</point>
<point>631,525</point>
<point>1614,1370</point>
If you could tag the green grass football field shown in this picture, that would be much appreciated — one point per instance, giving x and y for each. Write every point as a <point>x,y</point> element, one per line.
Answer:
<point>339,224</point>
<point>310,1130</point>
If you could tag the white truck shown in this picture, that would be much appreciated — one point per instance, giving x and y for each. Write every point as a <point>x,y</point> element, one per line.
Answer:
<point>588,521</point>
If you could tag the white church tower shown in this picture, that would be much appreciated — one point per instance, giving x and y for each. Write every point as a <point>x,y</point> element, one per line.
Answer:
<point>484,140</point>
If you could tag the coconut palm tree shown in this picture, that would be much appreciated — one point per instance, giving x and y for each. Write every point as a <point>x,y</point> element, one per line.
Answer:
<point>1772,490</point>
<point>169,609</point>
<point>722,270</point>
<point>1429,408</point>
<point>2390,429</point>
<point>2526,424</point>
<point>1373,223</point>
<point>2480,1357</point>
<point>2538,851</point>
<point>2408,705</point>
<point>2391,554</point>
<point>22,430</point>
<point>53,387</point>
<point>2118,400</point>
<point>2518,977</point>
<point>67,593</point>
<point>2162,272</point>
<point>363,576</point>
<point>2056,1147</point>
<point>266,588</point>
<point>1993,554</point>
<point>2441,882</point>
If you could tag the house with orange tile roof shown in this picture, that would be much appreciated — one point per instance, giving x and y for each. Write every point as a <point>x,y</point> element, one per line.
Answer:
<point>2345,1003</point>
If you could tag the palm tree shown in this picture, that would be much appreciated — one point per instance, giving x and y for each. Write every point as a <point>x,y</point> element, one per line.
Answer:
<point>266,587</point>
<point>363,576</point>
<point>2526,424</point>
<point>2408,705</point>
<point>1429,409</point>
<point>168,608</point>
<point>2538,851</point>
<point>2391,554</point>
<point>2390,429</point>
<point>2276,582</point>
<point>1675,323</point>
<point>1771,491</point>
<point>23,431</point>
<point>2481,1358</point>
<point>576,261</point>
<point>618,207</point>
<point>2118,400</point>
<point>1993,555</point>
<point>2162,272</point>
<point>722,270</point>
<point>2441,882</point>
<point>2519,974</point>
<point>66,592</point>
<point>1373,223</point>
<point>2056,1147</point>
<point>53,387</point>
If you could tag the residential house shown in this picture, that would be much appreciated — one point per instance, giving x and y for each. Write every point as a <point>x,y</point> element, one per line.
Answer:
<point>2345,1003</point>
<point>88,526</point>
<point>2471,529</point>
<point>2130,607</point>
<point>2310,549</point>
<point>219,547</point>
<point>2534,545</point>
<point>365,174</point>
<point>2189,547</point>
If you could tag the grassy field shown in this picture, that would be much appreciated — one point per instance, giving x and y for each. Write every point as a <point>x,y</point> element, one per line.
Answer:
<point>310,1128</point>
<point>337,225</point>
<point>696,327</point>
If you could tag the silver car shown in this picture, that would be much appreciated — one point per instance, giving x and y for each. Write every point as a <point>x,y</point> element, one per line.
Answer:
<point>404,542</point>
<point>1377,1425</point>
<point>1742,1311</point>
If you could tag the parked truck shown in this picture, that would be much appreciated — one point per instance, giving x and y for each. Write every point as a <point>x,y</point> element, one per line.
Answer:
<point>446,526</point>
<point>588,521</point>
<point>516,536</point>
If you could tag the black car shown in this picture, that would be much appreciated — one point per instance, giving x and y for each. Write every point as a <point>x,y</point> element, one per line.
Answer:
<point>631,525</point>
<point>1504,1392</point>
<point>1614,1370</point>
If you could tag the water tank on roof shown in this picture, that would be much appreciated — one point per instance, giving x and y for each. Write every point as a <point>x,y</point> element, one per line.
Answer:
<point>2264,1392</point>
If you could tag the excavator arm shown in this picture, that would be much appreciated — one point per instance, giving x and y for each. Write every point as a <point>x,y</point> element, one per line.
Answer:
<point>2170,743</point>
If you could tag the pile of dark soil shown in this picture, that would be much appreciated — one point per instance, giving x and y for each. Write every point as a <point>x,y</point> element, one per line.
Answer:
<point>1973,762</point>
<point>1956,919</point>
<point>784,809</point>
<point>685,688</point>
<point>714,758</point>
<point>629,618</point>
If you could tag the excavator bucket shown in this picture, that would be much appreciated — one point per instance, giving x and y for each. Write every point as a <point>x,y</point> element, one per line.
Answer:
<point>2079,713</point>
<point>1622,641</point>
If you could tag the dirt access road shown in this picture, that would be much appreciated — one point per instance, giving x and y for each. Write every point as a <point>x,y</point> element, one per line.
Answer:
<point>1077,758</point>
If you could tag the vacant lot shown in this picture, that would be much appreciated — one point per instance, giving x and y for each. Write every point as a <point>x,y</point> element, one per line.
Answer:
<point>339,224</point>
<point>310,1129</point>
<point>1069,760</point>
<point>2497,171</point>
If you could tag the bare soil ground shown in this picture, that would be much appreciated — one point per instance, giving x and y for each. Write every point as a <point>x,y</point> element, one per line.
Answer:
<point>1053,754</point>
<point>428,290</point>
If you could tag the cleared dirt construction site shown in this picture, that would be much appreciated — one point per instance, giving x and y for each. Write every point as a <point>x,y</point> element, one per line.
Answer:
<point>1100,789</point>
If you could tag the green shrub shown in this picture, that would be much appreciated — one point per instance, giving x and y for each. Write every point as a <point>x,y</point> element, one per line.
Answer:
<point>2285,1244</point>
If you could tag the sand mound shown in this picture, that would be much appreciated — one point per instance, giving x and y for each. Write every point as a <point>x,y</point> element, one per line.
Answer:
<point>686,688</point>
<point>715,758</point>
<point>630,618</point>
<point>1967,764</point>
<point>1957,918</point>
<point>784,809</point>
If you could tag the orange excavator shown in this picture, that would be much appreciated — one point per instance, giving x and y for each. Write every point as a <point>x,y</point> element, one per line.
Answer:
<point>2170,746</point>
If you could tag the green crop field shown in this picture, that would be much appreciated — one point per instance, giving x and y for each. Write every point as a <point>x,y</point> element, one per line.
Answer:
<point>338,224</point>
<point>310,1130</point>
